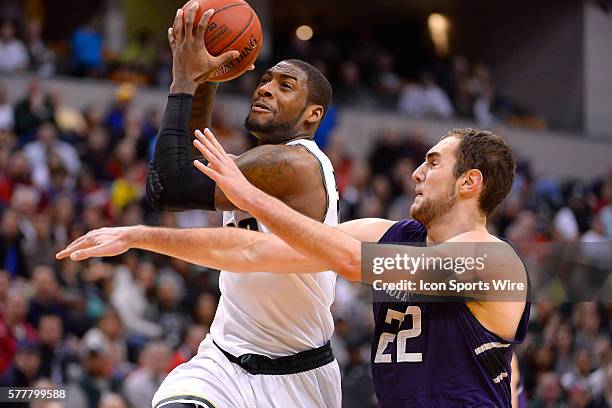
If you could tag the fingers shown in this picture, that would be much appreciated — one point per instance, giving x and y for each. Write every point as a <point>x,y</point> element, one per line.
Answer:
<point>226,57</point>
<point>68,250</point>
<point>206,148</point>
<point>171,38</point>
<point>178,26</point>
<point>251,68</point>
<point>206,170</point>
<point>94,251</point>
<point>82,243</point>
<point>190,19</point>
<point>202,25</point>
<point>213,140</point>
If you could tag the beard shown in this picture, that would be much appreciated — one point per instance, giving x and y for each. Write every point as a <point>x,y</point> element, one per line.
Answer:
<point>269,126</point>
<point>430,209</point>
<point>270,130</point>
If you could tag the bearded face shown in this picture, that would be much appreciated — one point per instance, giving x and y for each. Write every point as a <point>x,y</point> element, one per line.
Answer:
<point>425,209</point>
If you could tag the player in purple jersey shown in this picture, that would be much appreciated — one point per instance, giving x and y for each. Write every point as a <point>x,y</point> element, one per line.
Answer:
<point>519,396</point>
<point>426,354</point>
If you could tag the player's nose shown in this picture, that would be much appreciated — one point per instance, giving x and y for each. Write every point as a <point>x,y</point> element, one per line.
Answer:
<point>418,175</point>
<point>265,90</point>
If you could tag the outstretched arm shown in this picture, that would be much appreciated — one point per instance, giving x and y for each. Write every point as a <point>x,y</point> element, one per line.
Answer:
<point>315,240</point>
<point>231,249</point>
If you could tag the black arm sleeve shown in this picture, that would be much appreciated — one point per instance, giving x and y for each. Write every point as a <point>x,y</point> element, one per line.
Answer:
<point>173,182</point>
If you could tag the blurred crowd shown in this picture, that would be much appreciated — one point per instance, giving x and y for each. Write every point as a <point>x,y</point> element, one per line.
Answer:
<point>109,330</point>
<point>363,73</point>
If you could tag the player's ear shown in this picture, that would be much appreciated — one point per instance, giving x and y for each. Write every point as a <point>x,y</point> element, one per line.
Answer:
<point>314,113</point>
<point>472,181</point>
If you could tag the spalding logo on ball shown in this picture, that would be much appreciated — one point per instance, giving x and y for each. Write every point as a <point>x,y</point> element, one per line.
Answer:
<point>233,26</point>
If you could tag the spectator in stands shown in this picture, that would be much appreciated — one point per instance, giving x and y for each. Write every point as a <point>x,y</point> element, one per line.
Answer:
<point>55,354</point>
<point>95,380</point>
<point>388,148</point>
<point>13,53</point>
<point>578,377</point>
<point>108,335</point>
<point>460,88</point>
<point>31,112</point>
<point>205,308</point>
<point>39,155</point>
<point>386,82</point>
<point>357,385</point>
<point>601,385</point>
<point>172,317</point>
<point>350,89</point>
<point>40,249</point>
<point>42,59</point>
<point>24,370</point>
<point>7,113</point>
<point>14,327</point>
<point>131,296</point>
<point>46,296</point>
<point>189,348</point>
<point>87,48</point>
<point>425,99</point>
<point>549,391</point>
<point>140,386</point>
<point>12,257</point>
<point>117,116</point>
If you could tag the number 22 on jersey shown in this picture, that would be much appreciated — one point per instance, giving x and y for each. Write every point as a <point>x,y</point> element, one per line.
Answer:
<point>402,337</point>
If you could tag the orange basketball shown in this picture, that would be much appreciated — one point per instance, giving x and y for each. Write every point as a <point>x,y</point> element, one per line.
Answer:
<point>233,26</point>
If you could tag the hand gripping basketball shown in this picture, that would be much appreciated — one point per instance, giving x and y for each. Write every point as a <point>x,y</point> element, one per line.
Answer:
<point>192,64</point>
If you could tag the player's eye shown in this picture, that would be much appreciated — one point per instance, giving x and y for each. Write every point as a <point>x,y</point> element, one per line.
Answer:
<point>286,85</point>
<point>264,80</point>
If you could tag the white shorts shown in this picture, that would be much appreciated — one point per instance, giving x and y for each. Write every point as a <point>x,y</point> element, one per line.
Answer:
<point>210,380</point>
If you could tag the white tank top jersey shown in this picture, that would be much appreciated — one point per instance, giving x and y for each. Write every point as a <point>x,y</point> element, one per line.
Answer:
<point>277,314</point>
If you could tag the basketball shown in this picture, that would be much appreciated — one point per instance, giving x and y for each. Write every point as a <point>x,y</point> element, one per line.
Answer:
<point>233,26</point>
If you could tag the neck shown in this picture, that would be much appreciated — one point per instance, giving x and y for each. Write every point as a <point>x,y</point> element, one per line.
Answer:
<point>270,138</point>
<point>457,221</point>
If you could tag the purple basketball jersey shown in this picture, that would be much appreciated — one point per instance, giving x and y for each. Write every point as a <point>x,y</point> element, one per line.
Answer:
<point>436,354</point>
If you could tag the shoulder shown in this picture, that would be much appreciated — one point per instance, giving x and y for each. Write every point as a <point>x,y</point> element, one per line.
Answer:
<point>293,158</point>
<point>367,229</point>
<point>407,230</point>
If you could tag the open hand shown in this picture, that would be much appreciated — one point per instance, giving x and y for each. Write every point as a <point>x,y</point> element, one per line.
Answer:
<point>192,64</point>
<point>98,243</point>
<point>222,169</point>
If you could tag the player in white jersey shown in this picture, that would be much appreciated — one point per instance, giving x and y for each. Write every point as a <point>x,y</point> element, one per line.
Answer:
<point>269,341</point>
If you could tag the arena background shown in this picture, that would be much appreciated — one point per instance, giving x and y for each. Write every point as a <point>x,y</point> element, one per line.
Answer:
<point>82,89</point>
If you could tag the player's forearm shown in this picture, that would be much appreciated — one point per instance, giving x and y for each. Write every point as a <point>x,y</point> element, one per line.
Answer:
<point>202,109</point>
<point>320,243</point>
<point>230,249</point>
<point>172,182</point>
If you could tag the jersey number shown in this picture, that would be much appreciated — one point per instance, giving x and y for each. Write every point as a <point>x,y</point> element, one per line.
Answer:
<point>402,336</point>
<point>247,223</point>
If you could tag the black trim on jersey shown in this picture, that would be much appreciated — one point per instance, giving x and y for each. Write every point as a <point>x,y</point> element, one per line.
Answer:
<point>191,398</point>
<point>303,361</point>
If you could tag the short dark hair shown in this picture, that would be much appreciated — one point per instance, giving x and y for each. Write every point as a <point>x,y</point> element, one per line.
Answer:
<point>489,153</point>
<point>319,89</point>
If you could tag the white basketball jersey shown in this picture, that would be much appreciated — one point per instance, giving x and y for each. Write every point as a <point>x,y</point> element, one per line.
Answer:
<point>277,314</point>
